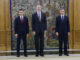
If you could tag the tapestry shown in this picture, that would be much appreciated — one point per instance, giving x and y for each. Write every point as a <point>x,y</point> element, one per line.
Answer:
<point>50,8</point>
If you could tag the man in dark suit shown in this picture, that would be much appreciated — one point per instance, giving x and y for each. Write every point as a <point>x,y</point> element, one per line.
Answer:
<point>21,29</point>
<point>63,31</point>
<point>39,27</point>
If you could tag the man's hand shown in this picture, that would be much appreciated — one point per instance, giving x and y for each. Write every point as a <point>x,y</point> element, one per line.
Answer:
<point>45,33</point>
<point>16,35</point>
<point>68,33</point>
<point>27,35</point>
<point>57,33</point>
<point>34,33</point>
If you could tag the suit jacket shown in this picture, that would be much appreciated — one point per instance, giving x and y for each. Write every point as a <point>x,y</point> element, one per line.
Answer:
<point>39,25</point>
<point>19,27</point>
<point>62,26</point>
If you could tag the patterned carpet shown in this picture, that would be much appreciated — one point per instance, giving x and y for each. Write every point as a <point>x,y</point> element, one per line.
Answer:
<point>47,57</point>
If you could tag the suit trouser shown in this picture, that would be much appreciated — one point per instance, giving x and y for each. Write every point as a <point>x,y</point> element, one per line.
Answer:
<point>23,37</point>
<point>39,42</point>
<point>63,38</point>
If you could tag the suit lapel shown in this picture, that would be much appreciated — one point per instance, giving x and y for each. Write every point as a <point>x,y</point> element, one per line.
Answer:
<point>19,19</point>
<point>37,16</point>
<point>60,18</point>
<point>64,17</point>
<point>41,16</point>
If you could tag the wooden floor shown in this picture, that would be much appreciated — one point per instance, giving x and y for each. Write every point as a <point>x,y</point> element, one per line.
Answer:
<point>47,57</point>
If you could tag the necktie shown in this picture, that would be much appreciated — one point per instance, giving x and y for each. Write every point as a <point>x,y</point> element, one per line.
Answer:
<point>21,19</point>
<point>62,17</point>
<point>39,16</point>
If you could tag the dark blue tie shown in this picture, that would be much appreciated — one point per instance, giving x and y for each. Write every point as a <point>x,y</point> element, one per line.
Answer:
<point>62,18</point>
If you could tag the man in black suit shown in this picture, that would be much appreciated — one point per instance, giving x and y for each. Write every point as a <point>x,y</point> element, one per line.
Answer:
<point>21,29</point>
<point>39,27</point>
<point>63,31</point>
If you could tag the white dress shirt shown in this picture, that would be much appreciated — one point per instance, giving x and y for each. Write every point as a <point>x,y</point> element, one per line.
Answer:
<point>21,17</point>
<point>39,13</point>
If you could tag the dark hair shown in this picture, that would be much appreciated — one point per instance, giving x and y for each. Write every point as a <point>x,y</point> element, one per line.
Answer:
<point>62,9</point>
<point>21,9</point>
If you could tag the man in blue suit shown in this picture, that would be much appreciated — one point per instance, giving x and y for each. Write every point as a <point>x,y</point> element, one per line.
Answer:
<point>63,31</point>
<point>21,29</point>
<point>39,28</point>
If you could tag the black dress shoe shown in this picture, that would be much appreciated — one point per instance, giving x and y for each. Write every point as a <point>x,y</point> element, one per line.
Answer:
<point>37,55</point>
<point>25,55</point>
<point>18,55</point>
<point>42,55</point>
<point>66,54</point>
<point>60,54</point>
